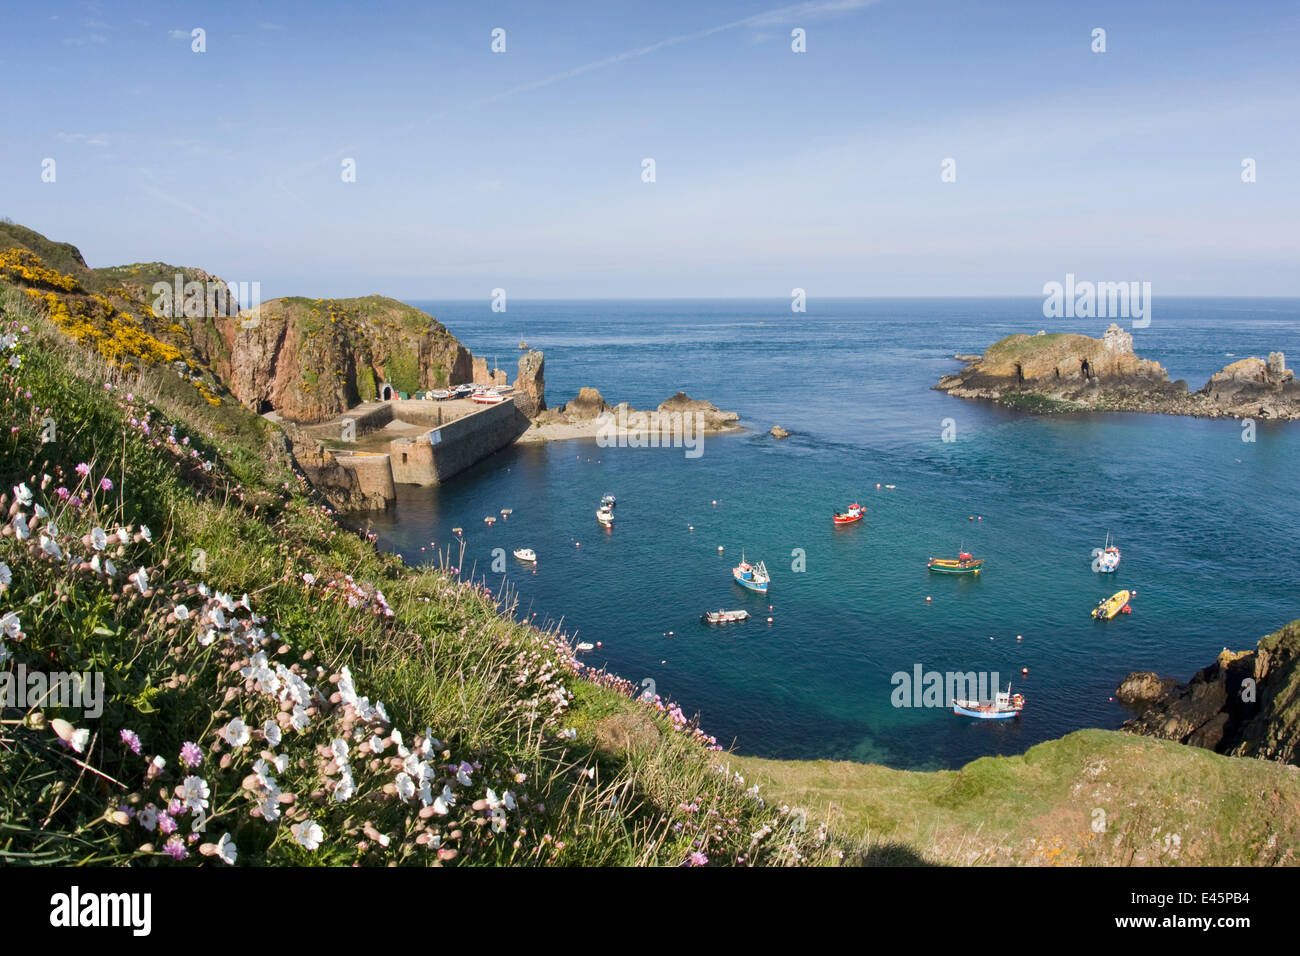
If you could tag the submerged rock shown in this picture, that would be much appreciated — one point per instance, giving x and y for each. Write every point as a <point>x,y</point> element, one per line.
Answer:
<point>779,432</point>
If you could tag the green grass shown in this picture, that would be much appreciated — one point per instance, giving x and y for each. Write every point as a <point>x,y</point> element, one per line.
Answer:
<point>236,518</point>
<point>1093,797</point>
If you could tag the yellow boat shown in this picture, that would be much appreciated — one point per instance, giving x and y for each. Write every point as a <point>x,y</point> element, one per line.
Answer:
<point>1108,608</point>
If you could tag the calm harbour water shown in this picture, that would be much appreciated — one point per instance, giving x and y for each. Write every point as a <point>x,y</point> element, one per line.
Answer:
<point>1207,523</point>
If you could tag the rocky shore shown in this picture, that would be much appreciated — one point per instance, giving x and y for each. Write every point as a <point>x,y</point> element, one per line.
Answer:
<point>1245,704</point>
<point>589,414</point>
<point>1063,372</point>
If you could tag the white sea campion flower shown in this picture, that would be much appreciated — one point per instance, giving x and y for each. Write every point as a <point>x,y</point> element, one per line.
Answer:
<point>13,627</point>
<point>182,612</point>
<point>444,801</point>
<point>271,731</point>
<point>309,577</point>
<point>281,762</point>
<point>39,511</point>
<point>340,748</point>
<point>23,494</point>
<point>308,834</point>
<point>405,786</point>
<point>146,533</point>
<point>21,531</point>
<point>109,568</point>
<point>6,576</point>
<point>140,579</point>
<point>508,800</point>
<point>236,733</point>
<point>5,653</point>
<point>51,547</point>
<point>207,636</point>
<point>377,744</point>
<point>270,807</point>
<point>299,719</point>
<point>195,792</point>
<point>226,850</point>
<point>347,787</point>
<point>462,774</point>
<point>98,538</point>
<point>123,536</point>
<point>148,817</point>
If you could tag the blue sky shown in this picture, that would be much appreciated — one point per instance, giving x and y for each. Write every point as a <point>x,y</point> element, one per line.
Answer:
<point>522,170</point>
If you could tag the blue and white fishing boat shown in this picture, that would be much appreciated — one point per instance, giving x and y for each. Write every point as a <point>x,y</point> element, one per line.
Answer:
<point>751,576</point>
<point>1004,705</point>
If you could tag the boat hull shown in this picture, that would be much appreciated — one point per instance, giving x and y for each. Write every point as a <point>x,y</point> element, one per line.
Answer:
<point>945,566</point>
<point>1112,606</point>
<point>984,714</point>
<point>759,587</point>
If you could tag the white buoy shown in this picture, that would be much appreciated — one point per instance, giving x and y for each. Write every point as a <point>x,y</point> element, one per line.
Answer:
<point>719,549</point>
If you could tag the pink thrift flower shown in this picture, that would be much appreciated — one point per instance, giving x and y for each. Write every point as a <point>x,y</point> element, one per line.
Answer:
<point>175,848</point>
<point>191,754</point>
<point>131,740</point>
<point>83,469</point>
<point>105,484</point>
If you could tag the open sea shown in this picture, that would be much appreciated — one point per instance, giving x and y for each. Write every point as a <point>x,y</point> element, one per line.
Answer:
<point>1208,523</point>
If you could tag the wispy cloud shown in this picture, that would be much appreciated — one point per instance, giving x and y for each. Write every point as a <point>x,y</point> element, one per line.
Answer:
<point>811,9</point>
<point>88,139</point>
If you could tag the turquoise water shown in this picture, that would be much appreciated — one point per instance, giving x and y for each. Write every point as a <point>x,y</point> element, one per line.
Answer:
<point>1207,523</point>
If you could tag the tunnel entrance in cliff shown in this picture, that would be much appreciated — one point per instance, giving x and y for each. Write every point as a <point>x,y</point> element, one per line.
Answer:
<point>1020,374</point>
<point>386,393</point>
<point>265,406</point>
<point>1085,369</point>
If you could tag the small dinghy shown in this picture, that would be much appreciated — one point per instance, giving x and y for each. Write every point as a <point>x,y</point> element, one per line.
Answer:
<point>489,520</point>
<point>724,617</point>
<point>526,554</point>
<point>586,646</point>
<point>1115,604</point>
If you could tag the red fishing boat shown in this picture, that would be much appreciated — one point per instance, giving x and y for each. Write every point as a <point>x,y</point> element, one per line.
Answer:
<point>855,512</point>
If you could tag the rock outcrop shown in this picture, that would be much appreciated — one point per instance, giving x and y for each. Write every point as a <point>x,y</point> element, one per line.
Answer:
<point>311,359</point>
<point>1245,704</point>
<point>715,419</point>
<point>1066,372</point>
<point>590,405</point>
<point>530,384</point>
<point>779,432</point>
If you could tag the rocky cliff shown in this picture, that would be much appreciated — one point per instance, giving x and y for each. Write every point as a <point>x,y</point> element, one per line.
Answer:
<point>1068,372</point>
<point>310,359</point>
<point>1245,704</point>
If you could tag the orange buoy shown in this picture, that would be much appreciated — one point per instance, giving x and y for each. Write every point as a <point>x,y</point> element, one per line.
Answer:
<point>1024,670</point>
<point>1018,637</point>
